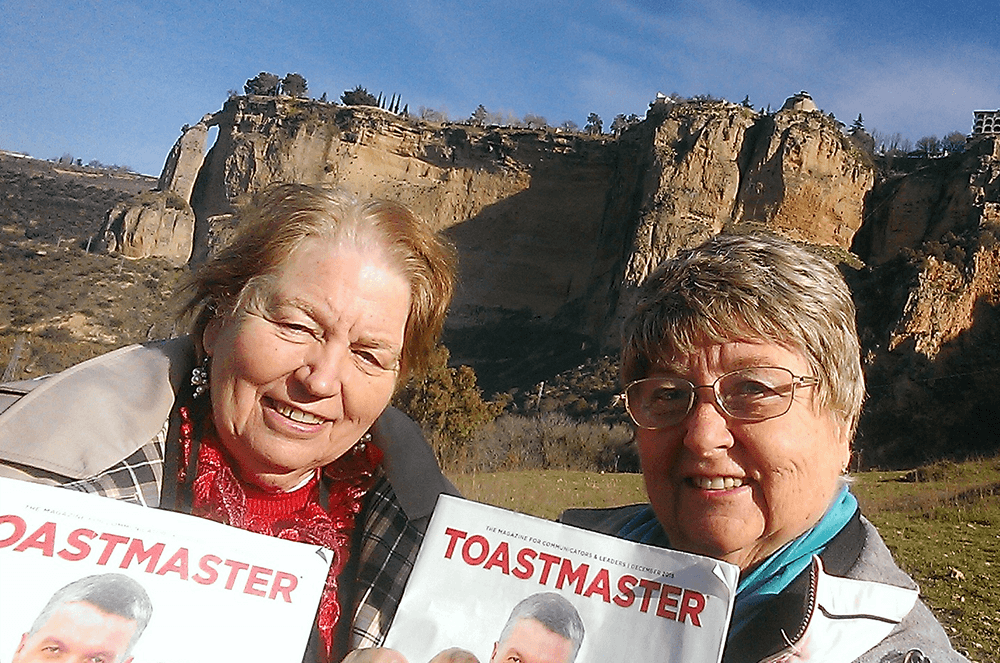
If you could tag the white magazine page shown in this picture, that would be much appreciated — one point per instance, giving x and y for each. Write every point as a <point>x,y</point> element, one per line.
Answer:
<point>636,602</point>
<point>218,593</point>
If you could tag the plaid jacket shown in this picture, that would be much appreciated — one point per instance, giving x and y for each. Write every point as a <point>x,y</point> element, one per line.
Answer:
<point>104,427</point>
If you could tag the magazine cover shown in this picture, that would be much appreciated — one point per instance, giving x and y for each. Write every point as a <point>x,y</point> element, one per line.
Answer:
<point>504,586</point>
<point>84,577</point>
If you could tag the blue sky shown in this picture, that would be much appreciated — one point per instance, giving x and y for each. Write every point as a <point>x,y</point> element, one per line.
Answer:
<point>114,80</point>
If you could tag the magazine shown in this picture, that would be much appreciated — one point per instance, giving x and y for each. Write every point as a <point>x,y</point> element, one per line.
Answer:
<point>216,593</point>
<point>481,569</point>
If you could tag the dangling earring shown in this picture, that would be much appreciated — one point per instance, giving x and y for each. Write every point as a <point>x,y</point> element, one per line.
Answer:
<point>199,378</point>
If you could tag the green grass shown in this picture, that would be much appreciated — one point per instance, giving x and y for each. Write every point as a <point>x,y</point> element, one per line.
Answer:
<point>547,493</point>
<point>942,523</point>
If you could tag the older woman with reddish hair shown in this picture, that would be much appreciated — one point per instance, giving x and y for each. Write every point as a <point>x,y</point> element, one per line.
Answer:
<point>743,375</point>
<point>273,415</point>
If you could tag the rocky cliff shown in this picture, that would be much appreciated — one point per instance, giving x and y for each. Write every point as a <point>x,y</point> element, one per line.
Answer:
<point>554,229</point>
<point>551,225</point>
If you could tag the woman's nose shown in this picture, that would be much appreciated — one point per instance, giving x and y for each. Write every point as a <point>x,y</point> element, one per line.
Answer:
<point>321,372</point>
<point>706,426</point>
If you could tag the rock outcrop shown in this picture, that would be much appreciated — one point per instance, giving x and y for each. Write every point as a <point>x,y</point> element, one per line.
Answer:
<point>563,222</point>
<point>946,195</point>
<point>806,180</point>
<point>185,159</point>
<point>524,206</point>
<point>154,224</point>
<point>161,223</point>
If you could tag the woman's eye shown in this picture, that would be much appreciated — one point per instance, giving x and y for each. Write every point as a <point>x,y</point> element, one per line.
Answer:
<point>376,360</point>
<point>753,388</point>
<point>368,358</point>
<point>668,394</point>
<point>297,328</point>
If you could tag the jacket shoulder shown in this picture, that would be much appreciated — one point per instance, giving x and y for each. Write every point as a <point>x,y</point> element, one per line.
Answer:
<point>85,419</point>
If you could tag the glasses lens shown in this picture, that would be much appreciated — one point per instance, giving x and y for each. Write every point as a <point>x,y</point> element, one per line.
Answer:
<point>756,393</point>
<point>658,402</point>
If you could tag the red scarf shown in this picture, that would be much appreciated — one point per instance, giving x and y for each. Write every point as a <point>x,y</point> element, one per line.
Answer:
<point>217,494</point>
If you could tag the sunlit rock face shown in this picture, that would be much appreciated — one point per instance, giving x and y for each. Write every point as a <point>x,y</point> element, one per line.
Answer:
<point>560,227</point>
<point>556,230</point>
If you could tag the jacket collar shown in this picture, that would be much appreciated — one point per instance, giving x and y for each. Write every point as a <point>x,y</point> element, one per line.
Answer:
<point>822,613</point>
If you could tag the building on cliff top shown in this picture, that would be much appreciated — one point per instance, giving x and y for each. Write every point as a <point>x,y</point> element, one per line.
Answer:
<point>801,101</point>
<point>987,122</point>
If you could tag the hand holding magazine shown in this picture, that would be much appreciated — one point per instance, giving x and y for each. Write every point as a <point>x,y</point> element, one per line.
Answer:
<point>494,585</point>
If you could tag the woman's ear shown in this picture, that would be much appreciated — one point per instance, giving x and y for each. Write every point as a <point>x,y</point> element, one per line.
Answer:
<point>211,335</point>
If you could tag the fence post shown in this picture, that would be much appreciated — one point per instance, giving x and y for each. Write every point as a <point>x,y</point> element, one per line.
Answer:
<point>15,358</point>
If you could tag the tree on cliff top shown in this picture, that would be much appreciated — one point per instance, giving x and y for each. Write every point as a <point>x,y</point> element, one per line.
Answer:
<point>264,83</point>
<point>594,124</point>
<point>478,117</point>
<point>535,121</point>
<point>293,85</point>
<point>929,145</point>
<point>359,97</point>
<point>954,142</point>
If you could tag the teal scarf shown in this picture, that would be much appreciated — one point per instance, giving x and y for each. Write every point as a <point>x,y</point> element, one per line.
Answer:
<point>777,571</point>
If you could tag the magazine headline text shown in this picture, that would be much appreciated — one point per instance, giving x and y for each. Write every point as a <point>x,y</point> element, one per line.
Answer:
<point>624,590</point>
<point>124,552</point>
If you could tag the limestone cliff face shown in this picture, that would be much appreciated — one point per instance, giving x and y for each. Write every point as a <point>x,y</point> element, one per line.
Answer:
<point>161,223</point>
<point>690,185</point>
<point>555,230</point>
<point>560,226</point>
<point>523,206</point>
<point>942,196</point>
<point>706,168</point>
<point>154,224</point>
<point>185,159</point>
<point>932,354</point>
<point>805,180</point>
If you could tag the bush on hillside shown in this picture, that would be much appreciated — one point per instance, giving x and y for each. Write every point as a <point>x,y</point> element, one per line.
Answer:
<point>449,406</point>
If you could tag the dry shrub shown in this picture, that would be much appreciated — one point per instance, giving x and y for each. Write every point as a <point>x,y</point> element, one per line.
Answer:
<point>549,441</point>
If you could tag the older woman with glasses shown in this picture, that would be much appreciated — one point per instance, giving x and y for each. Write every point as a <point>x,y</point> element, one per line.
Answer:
<point>743,375</point>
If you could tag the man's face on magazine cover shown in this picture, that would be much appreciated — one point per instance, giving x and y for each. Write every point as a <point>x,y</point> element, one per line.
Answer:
<point>530,642</point>
<point>78,633</point>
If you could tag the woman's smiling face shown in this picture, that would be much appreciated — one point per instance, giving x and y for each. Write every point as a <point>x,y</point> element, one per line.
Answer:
<point>734,490</point>
<point>302,374</point>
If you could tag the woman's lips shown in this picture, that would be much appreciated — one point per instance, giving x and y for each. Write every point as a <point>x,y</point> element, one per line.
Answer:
<point>715,483</point>
<point>295,414</point>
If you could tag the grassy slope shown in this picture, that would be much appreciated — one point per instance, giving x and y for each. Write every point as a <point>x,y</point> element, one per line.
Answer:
<point>943,527</point>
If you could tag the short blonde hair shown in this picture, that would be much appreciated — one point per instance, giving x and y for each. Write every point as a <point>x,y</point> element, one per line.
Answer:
<point>751,287</point>
<point>281,217</point>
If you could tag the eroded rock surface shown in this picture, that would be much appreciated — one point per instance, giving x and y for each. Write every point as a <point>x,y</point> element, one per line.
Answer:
<point>555,230</point>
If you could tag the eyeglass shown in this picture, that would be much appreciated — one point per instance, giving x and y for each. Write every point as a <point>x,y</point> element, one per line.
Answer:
<point>747,394</point>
